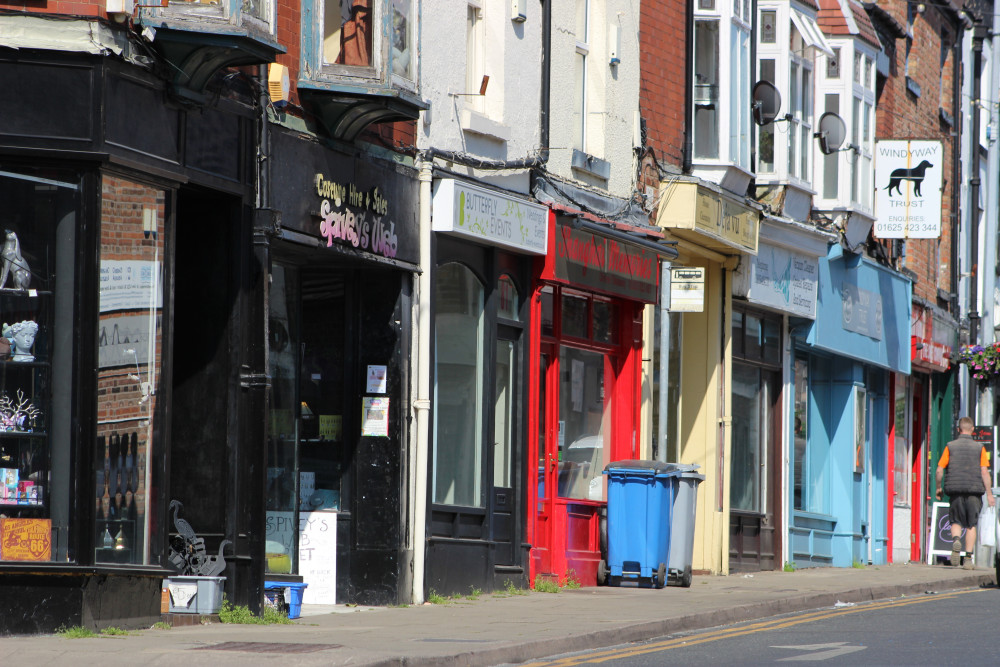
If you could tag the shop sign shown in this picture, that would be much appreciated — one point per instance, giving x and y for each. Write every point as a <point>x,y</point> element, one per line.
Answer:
<point>861,311</point>
<point>908,178</point>
<point>491,217</point>
<point>355,217</point>
<point>737,225</point>
<point>26,539</point>
<point>929,346</point>
<point>702,216</point>
<point>785,280</point>
<point>358,203</point>
<point>687,289</point>
<point>601,263</point>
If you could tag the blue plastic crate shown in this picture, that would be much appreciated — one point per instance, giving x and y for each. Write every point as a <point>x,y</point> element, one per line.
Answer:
<point>282,594</point>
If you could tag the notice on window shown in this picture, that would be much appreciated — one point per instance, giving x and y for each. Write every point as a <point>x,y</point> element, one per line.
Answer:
<point>375,416</point>
<point>376,379</point>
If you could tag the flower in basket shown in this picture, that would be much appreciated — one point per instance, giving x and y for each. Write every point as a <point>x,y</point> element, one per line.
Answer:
<point>983,362</point>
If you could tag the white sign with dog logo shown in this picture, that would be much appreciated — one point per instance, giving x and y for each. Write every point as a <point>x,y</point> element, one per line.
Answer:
<point>908,180</point>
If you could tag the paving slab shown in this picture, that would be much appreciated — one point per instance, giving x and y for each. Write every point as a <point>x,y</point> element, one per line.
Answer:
<point>494,629</point>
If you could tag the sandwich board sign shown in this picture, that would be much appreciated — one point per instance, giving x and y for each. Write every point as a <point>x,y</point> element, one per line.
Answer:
<point>908,179</point>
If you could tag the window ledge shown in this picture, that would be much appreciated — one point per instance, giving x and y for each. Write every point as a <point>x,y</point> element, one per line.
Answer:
<point>946,117</point>
<point>591,165</point>
<point>913,87</point>
<point>477,123</point>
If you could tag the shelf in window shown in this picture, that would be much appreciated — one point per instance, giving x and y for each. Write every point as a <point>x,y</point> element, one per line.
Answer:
<point>23,434</point>
<point>29,293</point>
<point>25,364</point>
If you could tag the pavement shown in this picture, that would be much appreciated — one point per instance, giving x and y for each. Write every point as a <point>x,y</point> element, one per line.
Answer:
<point>495,629</point>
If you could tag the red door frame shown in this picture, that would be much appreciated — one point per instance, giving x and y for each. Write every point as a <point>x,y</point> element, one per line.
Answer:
<point>564,532</point>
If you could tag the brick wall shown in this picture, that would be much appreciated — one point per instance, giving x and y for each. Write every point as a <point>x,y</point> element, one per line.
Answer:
<point>663,62</point>
<point>900,114</point>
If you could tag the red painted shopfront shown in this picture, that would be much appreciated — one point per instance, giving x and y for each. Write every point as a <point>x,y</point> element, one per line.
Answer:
<point>584,390</point>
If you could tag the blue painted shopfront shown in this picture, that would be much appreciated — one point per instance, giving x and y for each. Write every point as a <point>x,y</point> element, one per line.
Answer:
<point>842,366</point>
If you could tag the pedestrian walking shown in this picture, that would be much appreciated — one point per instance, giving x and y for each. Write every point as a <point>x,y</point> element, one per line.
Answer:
<point>967,463</point>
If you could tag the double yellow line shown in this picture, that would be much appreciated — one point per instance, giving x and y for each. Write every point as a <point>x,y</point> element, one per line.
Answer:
<point>738,631</point>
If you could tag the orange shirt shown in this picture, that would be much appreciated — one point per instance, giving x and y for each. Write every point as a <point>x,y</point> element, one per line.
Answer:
<point>984,458</point>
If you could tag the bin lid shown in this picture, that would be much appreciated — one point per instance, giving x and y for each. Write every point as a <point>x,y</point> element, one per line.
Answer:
<point>641,466</point>
<point>685,467</point>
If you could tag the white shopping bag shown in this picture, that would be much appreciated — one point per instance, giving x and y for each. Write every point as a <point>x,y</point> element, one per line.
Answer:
<point>987,528</point>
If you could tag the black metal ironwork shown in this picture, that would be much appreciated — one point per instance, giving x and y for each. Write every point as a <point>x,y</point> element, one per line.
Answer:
<point>187,552</point>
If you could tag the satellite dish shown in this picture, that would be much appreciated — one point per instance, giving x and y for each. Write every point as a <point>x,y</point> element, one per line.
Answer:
<point>766,102</point>
<point>832,133</point>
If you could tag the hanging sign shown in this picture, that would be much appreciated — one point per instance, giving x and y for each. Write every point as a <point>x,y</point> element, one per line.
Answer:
<point>908,178</point>
<point>687,289</point>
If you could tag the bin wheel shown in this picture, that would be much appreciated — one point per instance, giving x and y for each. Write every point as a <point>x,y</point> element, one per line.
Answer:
<point>602,573</point>
<point>996,568</point>
<point>661,576</point>
<point>685,579</point>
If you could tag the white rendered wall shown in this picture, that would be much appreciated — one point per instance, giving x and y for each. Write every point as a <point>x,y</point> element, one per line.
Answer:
<point>614,93</point>
<point>507,117</point>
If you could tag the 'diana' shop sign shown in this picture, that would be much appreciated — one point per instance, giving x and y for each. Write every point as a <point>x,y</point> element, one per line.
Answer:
<point>356,217</point>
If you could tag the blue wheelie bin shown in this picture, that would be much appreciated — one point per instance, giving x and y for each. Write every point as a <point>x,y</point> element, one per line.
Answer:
<point>640,504</point>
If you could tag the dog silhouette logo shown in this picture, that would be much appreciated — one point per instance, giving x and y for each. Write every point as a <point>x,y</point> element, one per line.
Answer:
<point>915,175</point>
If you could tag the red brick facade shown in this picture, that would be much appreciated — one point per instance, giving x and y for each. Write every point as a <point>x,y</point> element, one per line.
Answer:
<point>663,37</point>
<point>928,60</point>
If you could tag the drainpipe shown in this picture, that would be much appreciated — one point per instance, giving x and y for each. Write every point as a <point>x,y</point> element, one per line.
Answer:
<point>978,32</point>
<point>687,152</point>
<point>986,407</point>
<point>663,404</point>
<point>545,101</point>
<point>421,342</point>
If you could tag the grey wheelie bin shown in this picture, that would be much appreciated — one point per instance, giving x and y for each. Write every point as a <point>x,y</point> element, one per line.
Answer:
<point>682,525</point>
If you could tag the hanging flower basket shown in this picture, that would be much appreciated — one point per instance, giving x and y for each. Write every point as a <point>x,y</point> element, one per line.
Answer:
<point>983,362</point>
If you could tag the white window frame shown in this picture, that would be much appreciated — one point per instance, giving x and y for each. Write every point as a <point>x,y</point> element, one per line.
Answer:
<point>581,89</point>
<point>862,128</point>
<point>475,60</point>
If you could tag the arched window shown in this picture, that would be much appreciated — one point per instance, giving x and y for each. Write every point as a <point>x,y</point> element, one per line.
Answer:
<point>458,414</point>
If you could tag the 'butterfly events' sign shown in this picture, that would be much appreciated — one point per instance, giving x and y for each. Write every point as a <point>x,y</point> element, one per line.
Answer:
<point>908,178</point>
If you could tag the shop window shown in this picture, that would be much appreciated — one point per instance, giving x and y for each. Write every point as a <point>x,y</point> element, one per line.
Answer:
<point>458,416</point>
<point>800,435</point>
<point>604,322</point>
<point>583,422</point>
<point>547,296</point>
<point>128,374</point>
<point>307,452</point>
<point>36,372</point>
<point>509,307</point>
<point>504,416</point>
<point>750,437</point>
<point>574,315</point>
<point>902,446</point>
<point>860,428</point>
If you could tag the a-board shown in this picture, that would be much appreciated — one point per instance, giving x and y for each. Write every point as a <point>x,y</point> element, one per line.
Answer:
<point>940,538</point>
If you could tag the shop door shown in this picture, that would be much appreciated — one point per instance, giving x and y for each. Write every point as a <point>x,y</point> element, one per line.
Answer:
<point>506,444</point>
<point>546,467</point>
<point>754,442</point>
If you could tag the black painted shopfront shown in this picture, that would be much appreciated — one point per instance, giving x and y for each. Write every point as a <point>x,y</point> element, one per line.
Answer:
<point>341,264</point>
<point>128,217</point>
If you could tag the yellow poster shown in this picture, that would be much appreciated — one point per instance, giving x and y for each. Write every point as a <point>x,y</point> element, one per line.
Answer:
<point>26,539</point>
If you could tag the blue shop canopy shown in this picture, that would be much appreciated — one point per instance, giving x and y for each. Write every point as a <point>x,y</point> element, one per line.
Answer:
<point>863,311</point>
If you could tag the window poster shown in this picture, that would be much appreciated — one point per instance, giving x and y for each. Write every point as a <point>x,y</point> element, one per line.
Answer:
<point>375,416</point>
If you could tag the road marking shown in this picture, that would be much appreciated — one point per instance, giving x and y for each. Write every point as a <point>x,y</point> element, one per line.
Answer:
<point>833,651</point>
<point>686,641</point>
